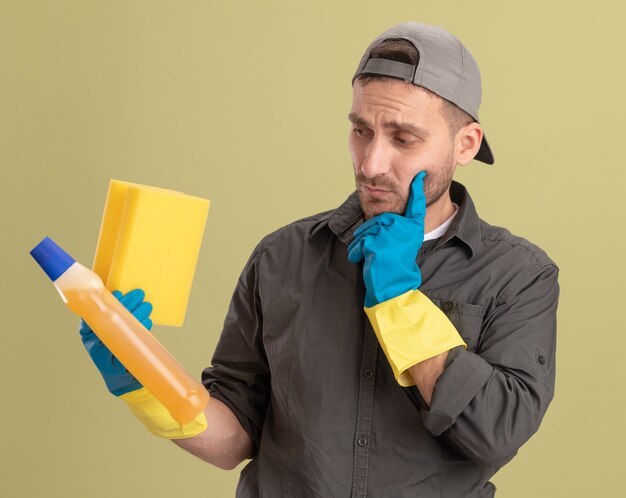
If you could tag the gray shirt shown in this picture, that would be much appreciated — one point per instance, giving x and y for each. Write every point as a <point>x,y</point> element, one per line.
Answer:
<point>299,364</point>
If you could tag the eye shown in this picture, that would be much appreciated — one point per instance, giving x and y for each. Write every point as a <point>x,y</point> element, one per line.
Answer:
<point>405,139</point>
<point>359,132</point>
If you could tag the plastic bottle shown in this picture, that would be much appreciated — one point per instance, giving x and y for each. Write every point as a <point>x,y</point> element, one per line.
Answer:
<point>137,349</point>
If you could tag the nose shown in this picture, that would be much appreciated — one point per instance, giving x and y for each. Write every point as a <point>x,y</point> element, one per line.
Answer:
<point>376,158</point>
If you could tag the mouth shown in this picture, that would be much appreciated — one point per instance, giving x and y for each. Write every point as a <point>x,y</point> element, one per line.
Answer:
<point>376,193</point>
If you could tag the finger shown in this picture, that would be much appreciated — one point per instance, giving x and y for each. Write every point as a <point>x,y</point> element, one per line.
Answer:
<point>143,311</point>
<point>117,294</point>
<point>355,251</point>
<point>90,340</point>
<point>369,231</point>
<point>133,299</point>
<point>416,206</point>
<point>84,329</point>
<point>380,220</point>
<point>104,359</point>
<point>147,323</point>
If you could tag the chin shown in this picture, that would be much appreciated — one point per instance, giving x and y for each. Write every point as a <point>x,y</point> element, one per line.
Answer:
<point>371,209</point>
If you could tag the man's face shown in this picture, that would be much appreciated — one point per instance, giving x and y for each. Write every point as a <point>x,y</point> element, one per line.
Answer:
<point>398,131</point>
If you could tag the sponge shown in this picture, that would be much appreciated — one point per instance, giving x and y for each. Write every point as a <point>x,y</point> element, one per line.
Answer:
<point>150,238</point>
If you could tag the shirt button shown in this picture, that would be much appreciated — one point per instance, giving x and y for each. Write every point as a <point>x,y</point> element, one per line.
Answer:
<point>368,373</point>
<point>541,359</point>
<point>447,306</point>
<point>362,441</point>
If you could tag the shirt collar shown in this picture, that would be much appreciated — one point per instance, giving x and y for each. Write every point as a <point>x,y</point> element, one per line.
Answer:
<point>345,219</point>
<point>465,226</point>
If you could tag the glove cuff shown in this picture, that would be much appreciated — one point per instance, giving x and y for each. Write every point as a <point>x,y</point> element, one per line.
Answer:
<point>411,328</point>
<point>157,418</point>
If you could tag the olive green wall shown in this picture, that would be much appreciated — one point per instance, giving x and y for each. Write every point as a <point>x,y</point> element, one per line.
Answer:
<point>245,103</point>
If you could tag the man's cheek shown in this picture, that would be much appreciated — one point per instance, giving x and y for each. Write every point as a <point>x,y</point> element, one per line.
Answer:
<point>428,187</point>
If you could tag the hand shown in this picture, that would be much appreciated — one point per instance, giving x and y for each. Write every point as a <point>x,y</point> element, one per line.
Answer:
<point>388,243</point>
<point>144,405</point>
<point>118,380</point>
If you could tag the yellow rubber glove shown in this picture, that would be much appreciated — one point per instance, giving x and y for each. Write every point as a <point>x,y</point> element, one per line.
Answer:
<point>411,328</point>
<point>157,419</point>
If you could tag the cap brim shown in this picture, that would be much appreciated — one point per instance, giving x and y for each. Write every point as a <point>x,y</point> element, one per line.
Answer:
<point>484,153</point>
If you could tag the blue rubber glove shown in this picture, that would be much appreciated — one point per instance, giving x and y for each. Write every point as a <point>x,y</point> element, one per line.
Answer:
<point>388,244</point>
<point>118,380</point>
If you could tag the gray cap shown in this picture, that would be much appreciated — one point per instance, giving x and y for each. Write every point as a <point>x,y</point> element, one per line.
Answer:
<point>445,67</point>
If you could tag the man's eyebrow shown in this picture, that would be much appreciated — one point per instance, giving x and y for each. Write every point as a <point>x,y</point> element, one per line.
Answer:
<point>397,125</point>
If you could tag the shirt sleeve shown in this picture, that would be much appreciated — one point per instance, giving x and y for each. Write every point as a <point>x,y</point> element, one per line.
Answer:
<point>487,404</point>
<point>239,375</point>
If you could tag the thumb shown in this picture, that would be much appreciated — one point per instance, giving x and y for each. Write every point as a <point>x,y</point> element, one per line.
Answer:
<point>355,251</point>
<point>416,205</point>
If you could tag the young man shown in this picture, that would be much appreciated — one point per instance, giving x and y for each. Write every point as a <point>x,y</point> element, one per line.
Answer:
<point>397,346</point>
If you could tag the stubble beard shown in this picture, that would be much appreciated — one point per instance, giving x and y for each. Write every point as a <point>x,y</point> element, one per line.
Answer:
<point>435,186</point>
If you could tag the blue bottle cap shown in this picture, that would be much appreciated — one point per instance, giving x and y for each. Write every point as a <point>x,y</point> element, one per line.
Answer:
<point>52,259</point>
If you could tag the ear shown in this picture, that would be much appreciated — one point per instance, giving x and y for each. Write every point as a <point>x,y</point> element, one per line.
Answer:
<point>467,142</point>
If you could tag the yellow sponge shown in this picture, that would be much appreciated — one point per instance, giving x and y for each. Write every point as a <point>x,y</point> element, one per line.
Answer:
<point>150,239</point>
